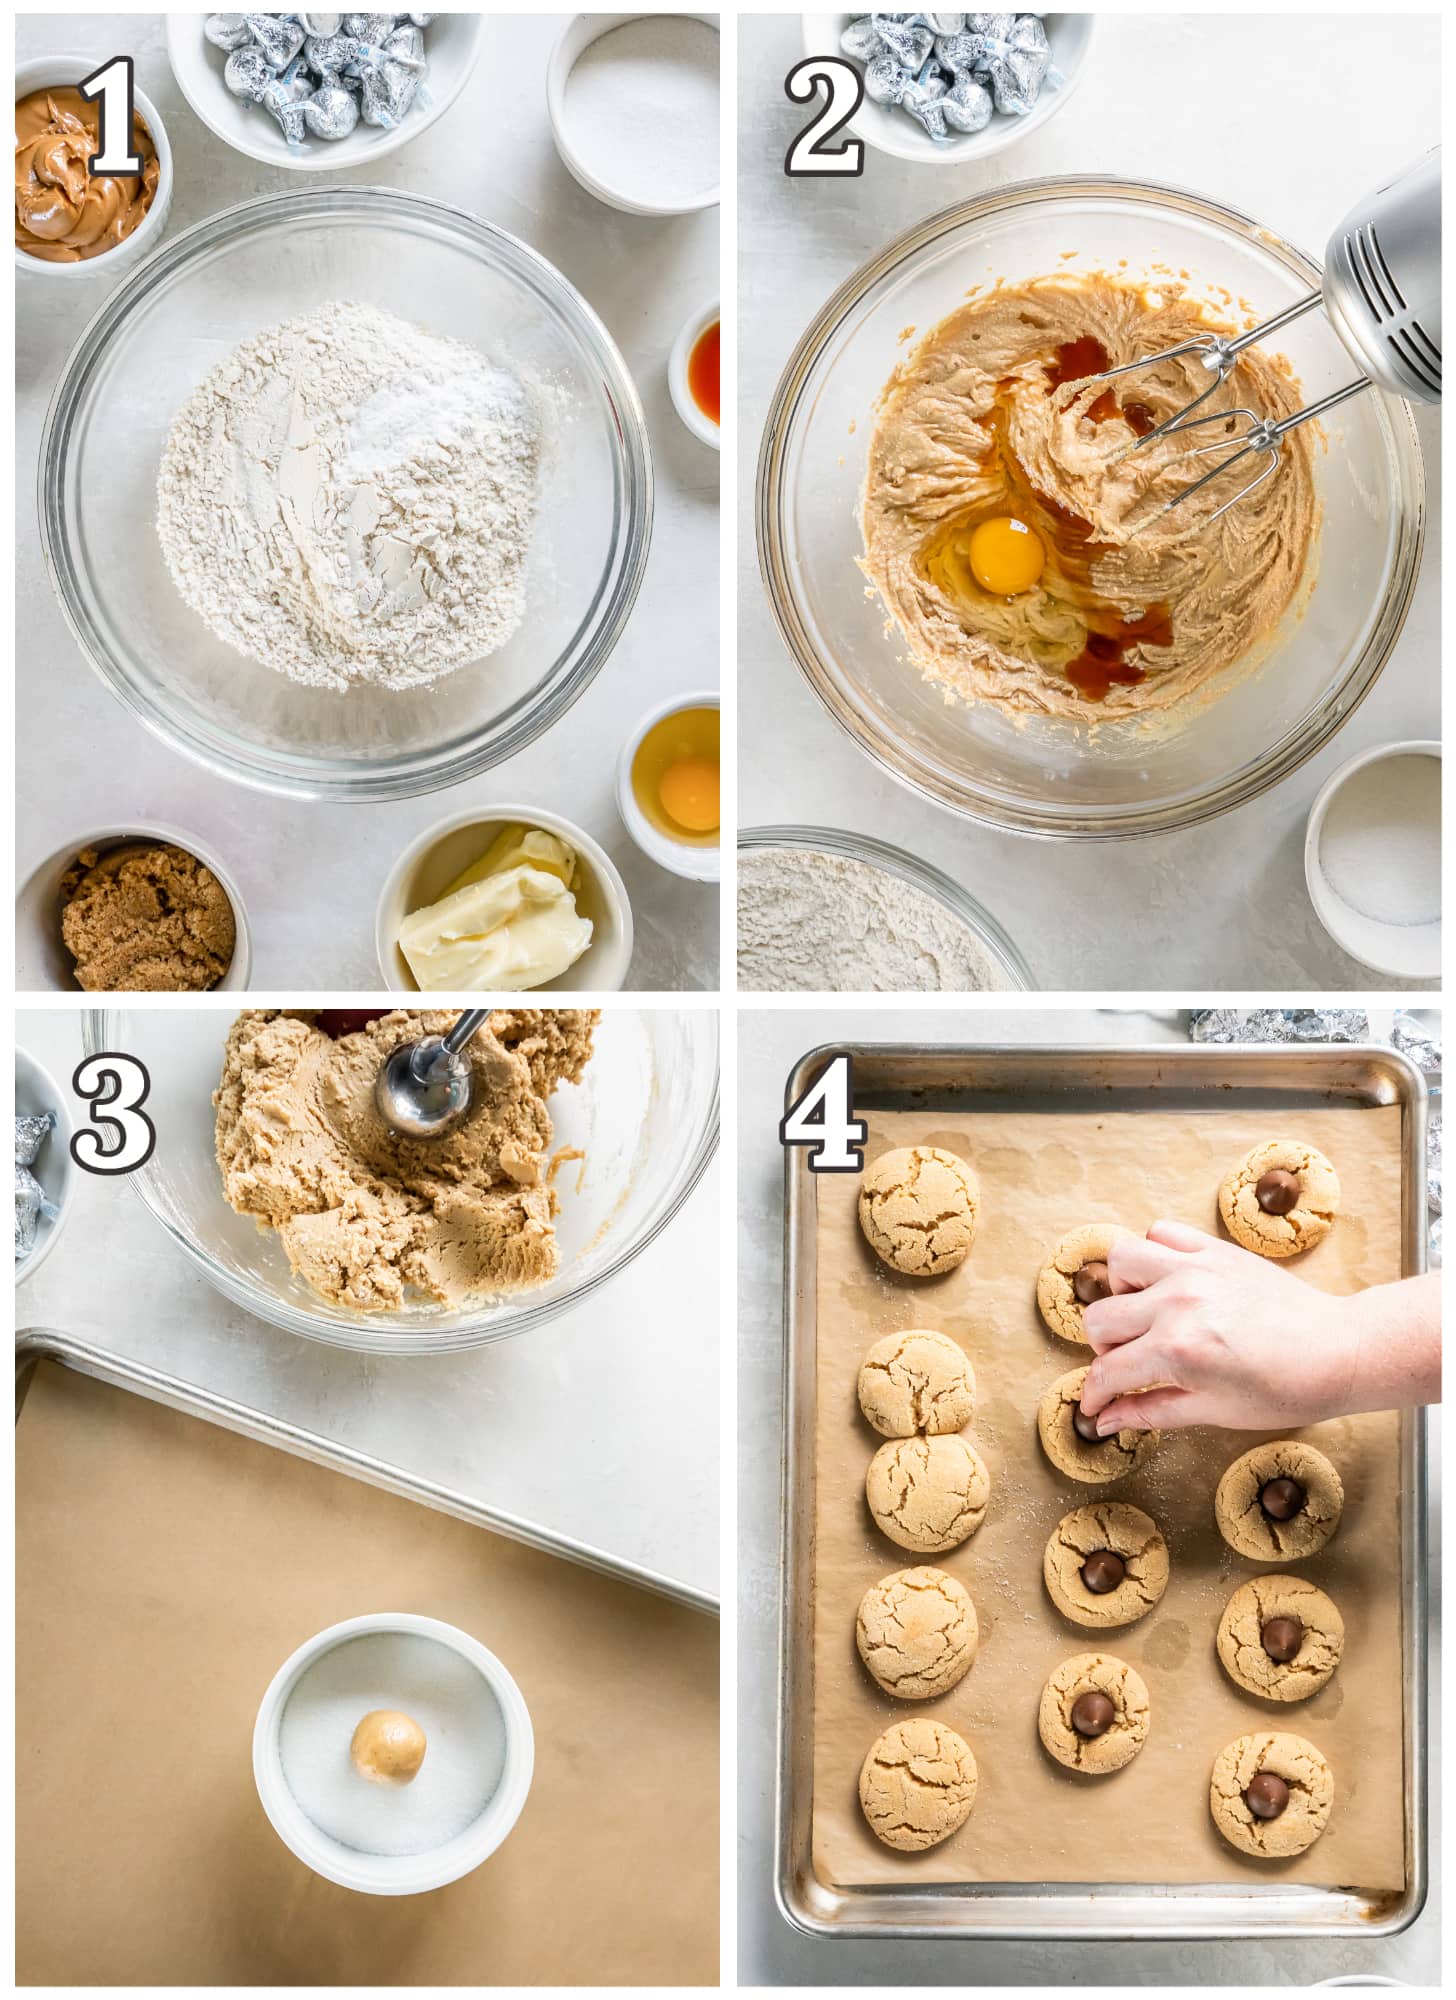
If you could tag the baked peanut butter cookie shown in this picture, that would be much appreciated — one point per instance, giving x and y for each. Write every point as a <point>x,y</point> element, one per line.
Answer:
<point>917,1785</point>
<point>917,1208</point>
<point>1070,1439</point>
<point>928,1493</point>
<point>1105,1565</point>
<point>1280,1502</point>
<point>912,1382</point>
<point>1270,1794</point>
<point>1074,1275</point>
<point>1281,1198</point>
<point>917,1633</point>
<point>1280,1637</point>
<point>1094,1713</point>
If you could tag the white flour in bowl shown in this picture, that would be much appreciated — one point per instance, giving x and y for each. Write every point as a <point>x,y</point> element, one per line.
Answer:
<point>810,922</point>
<point>348,499</point>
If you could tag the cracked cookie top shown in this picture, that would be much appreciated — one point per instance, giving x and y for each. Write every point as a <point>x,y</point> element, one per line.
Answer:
<point>917,1785</point>
<point>1280,1637</point>
<point>916,1381</point>
<point>1094,1713</point>
<point>1280,1502</point>
<point>1093,1461</point>
<point>917,1208</point>
<point>917,1633</point>
<point>1106,1564</point>
<point>928,1493</point>
<point>1074,1275</point>
<point>1281,1198</point>
<point>1271,1794</point>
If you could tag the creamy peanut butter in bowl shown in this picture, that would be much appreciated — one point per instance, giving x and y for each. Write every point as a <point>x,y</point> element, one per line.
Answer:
<point>961,540</point>
<point>69,221</point>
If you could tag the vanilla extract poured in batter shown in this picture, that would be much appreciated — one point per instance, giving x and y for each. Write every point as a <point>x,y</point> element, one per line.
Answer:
<point>1102,663</point>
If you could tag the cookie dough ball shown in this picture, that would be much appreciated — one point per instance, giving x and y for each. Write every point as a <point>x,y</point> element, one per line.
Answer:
<point>388,1747</point>
<point>1280,1502</point>
<point>1105,1565</point>
<point>1280,1637</point>
<point>1280,1199</point>
<point>1095,1461</point>
<point>917,1208</point>
<point>1271,1794</point>
<point>1074,1275</point>
<point>1094,1713</point>
<point>917,1633</point>
<point>928,1493</point>
<point>917,1785</point>
<point>916,1382</point>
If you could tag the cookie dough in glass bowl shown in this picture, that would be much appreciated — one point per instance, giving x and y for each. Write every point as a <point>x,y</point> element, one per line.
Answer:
<point>1102,773</point>
<point>643,1117</point>
<point>255,267</point>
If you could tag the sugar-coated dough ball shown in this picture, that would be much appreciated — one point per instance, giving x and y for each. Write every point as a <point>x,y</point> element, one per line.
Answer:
<point>388,1747</point>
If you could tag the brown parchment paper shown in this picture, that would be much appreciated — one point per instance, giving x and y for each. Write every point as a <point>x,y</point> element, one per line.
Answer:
<point>1035,1821</point>
<point>165,1569</point>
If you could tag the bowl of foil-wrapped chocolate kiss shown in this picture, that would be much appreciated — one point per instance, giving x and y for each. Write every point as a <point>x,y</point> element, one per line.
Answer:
<point>318,92</point>
<point>954,87</point>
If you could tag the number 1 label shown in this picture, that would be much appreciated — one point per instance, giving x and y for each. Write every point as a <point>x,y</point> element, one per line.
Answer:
<point>115,85</point>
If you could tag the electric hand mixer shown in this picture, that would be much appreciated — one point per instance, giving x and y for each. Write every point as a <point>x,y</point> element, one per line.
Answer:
<point>1382,295</point>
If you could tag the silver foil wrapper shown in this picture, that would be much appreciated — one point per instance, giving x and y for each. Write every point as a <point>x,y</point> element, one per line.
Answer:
<point>28,1204</point>
<point>950,72</point>
<point>1422,1044</point>
<point>31,1133</point>
<point>1279,1024</point>
<point>317,74</point>
<point>227,31</point>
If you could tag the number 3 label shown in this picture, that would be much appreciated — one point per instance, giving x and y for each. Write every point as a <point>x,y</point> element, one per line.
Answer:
<point>811,153</point>
<point>115,1089</point>
<point>823,1119</point>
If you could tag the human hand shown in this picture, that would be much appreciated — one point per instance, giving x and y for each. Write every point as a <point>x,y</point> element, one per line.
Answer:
<point>1198,1331</point>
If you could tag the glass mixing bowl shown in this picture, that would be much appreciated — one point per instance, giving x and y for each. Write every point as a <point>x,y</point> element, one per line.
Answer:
<point>908,868</point>
<point>1046,776</point>
<point>645,1115</point>
<point>185,310</point>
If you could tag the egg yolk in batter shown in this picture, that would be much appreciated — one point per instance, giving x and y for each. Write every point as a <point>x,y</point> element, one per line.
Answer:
<point>1006,556</point>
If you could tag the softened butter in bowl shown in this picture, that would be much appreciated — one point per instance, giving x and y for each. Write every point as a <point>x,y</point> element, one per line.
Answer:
<point>512,902</point>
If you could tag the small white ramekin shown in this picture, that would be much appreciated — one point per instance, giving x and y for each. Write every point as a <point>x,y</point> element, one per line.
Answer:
<point>427,868</point>
<point>393,1874</point>
<point>452,48</point>
<point>580,33</point>
<point>1404,951</point>
<point>50,73</point>
<point>36,1090</point>
<point>42,963</point>
<point>701,425</point>
<point>681,857</point>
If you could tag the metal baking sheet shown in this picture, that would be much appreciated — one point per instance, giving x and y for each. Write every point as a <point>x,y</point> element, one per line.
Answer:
<point>1067,1079</point>
<point>38,1344</point>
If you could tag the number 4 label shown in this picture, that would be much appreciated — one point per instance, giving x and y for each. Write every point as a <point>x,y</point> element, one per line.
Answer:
<point>824,1120</point>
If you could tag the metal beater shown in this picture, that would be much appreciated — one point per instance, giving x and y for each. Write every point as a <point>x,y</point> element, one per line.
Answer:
<point>1382,294</point>
<point>424,1089</point>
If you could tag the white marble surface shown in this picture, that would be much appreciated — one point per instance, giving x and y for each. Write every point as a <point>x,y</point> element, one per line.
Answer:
<point>770,1953</point>
<point>84,762</point>
<point>577,1426</point>
<point>1259,118</point>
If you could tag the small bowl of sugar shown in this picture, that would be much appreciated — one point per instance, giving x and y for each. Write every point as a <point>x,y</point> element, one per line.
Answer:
<point>633,103</point>
<point>1372,858</point>
<point>392,1753</point>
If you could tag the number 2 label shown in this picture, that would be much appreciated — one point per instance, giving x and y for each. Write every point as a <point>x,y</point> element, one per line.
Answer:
<point>811,154</point>
<point>823,1119</point>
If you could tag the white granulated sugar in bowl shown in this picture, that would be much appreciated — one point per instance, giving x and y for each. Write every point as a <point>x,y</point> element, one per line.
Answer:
<point>640,108</point>
<point>810,922</point>
<point>348,499</point>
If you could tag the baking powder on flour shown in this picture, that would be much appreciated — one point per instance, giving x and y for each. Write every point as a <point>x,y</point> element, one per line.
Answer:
<point>814,922</point>
<point>348,499</point>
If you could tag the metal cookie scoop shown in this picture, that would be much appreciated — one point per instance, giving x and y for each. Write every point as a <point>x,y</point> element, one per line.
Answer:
<point>424,1089</point>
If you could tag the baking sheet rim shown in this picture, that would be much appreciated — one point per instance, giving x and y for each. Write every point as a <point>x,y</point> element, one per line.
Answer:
<point>1346,1912</point>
